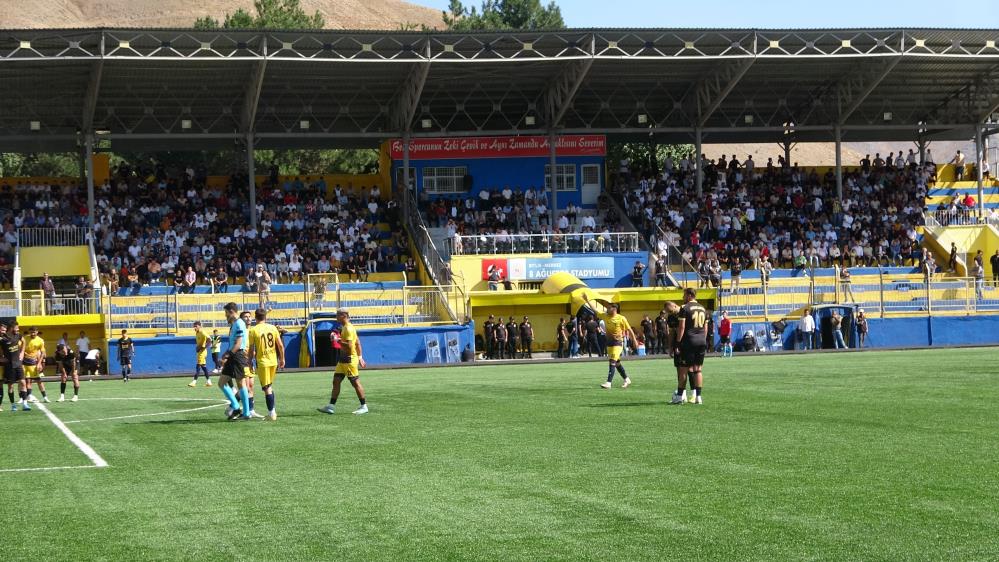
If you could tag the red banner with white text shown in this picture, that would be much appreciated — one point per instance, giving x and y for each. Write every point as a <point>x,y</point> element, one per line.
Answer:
<point>499,147</point>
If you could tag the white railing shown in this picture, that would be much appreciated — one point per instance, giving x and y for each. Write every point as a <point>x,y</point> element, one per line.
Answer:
<point>588,242</point>
<point>438,269</point>
<point>70,236</point>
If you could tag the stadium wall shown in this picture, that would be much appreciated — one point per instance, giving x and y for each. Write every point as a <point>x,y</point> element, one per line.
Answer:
<point>910,332</point>
<point>382,347</point>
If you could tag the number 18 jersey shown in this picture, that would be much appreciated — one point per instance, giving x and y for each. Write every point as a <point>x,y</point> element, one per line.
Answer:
<point>263,338</point>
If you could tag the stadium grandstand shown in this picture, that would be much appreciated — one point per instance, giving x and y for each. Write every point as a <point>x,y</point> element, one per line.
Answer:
<point>499,229</point>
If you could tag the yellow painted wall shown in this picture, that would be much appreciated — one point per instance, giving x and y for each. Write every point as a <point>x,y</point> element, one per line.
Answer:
<point>57,261</point>
<point>544,311</point>
<point>969,240</point>
<point>52,328</point>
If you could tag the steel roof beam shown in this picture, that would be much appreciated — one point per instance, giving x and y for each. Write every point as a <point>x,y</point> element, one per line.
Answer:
<point>251,99</point>
<point>406,100</point>
<point>853,92</point>
<point>714,88</point>
<point>90,99</point>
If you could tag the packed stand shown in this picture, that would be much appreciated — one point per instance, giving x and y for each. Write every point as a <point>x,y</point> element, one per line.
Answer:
<point>779,215</point>
<point>159,226</point>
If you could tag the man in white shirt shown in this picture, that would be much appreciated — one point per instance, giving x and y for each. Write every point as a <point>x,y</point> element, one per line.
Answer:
<point>807,330</point>
<point>82,344</point>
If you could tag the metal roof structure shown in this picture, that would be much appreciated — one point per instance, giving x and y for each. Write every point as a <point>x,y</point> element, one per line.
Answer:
<point>182,88</point>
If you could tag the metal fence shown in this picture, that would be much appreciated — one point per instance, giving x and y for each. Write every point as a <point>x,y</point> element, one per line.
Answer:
<point>588,242</point>
<point>71,236</point>
<point>438,269</point>
<point>881,295</point>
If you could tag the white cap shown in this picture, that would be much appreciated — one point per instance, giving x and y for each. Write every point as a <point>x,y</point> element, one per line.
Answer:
<point>861,310</point>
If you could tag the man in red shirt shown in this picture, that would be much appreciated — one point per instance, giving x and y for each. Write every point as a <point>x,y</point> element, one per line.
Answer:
<point>725,334</point>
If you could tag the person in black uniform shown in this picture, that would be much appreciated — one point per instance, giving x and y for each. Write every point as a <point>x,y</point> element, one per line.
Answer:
<point>662,333</point>
<point>499,339</point>
<point>692,332</point>
<point>126,350</point>
<point>67,367</point>
<point>511,339</point>
<point>661,268</point>
<point>562,337</point>
<point>572,330</point>
<point>592,341</point>
<point>526,338</point>
<point>489,335</point>
<point>13,369</point>
<point>649,333</point>
<point>636,274</point>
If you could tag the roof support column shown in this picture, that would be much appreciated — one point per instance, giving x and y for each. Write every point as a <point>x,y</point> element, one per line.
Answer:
<point>553,174</point>
<point>978,169</point>
<point>698,163</point>
<point>922,144</point>
<point>406,180</point>
<point>251,173</point>
<point>88,161</point>
<point>838,131</point>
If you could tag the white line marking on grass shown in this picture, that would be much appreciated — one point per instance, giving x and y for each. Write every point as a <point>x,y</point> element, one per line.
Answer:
<point>151,414</point>
<point>47,468</point>
<point>80,444</point>
<point>156,399</point>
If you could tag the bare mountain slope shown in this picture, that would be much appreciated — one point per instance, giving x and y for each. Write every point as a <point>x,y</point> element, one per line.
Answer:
<point>339,14</point>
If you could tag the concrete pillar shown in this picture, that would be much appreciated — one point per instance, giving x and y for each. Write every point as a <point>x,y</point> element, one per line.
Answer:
<point>88,161</point>
<point>698,163</point>
<point>252,180</point>
<point>553,162</point>
<point>839,162</point>
<point>922,145</point>
<point>978,169</point>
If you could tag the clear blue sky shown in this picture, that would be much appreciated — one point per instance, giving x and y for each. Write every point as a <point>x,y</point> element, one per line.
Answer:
<point>771,13</point>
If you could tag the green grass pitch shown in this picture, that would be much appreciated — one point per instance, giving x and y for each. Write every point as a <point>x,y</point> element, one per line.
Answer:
<point>872,456</point>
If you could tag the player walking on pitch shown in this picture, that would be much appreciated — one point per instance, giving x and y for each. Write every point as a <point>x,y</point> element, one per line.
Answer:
<point>13,369</point>
<point>66,364</point>
<point>34,364</point>
<point>268,350</point>
<point>617,328</point>
<point>201,343</point>
<point>692,335</point>
<point>126,351</point>
<point>350,360</point>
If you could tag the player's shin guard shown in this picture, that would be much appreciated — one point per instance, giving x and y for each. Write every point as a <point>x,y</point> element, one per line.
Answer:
<point>610,372</point>
<point>620,370</point>
<point>270,401</point>
<point>230,396</point>
<point>62,388</point>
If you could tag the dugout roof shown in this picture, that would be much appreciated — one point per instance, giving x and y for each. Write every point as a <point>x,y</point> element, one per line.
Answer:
<point>181,88</point>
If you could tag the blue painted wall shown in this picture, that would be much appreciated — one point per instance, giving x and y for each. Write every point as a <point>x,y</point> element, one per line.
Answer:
<point>160,290</point>
<point>907,332</point>
<point>623,264</point>
<point>383,347</point>
<point>496,173</point>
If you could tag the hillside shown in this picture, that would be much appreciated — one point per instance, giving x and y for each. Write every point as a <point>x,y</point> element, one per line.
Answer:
<point>339,14</point>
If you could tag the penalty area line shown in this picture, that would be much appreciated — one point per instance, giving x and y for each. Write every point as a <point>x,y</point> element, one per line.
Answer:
<point>80,444</point>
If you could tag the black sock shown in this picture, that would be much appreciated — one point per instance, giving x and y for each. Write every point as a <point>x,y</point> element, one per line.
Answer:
<point>43,394</point>
<point>21,394</point>
<point>620,369</point>
<point>680,389</point>
<point>332,398</point>
<point>697,390</point>
<point>62,388</point>
<point>76,390</point>
<point>10,396</point>
<point>610,373</point>
<point>363,401</point>
<point>251,404</point>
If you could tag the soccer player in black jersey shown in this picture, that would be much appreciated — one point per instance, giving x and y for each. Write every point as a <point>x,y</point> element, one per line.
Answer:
<point>692,333</point>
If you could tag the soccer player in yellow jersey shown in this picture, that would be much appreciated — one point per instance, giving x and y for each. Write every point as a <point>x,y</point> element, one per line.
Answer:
<point>267,349</point>
<point>350,360</point>
<point>201,342</point>
<point>617,328</point>
<point>34,363</point>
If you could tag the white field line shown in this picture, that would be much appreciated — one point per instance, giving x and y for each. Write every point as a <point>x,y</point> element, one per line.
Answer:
<point>47,468</point>
<point>157,399</point>
<point>80,444</point>
<point>151,414</point>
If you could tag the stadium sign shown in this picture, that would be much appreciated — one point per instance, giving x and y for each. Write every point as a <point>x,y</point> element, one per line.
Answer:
<point>499,147</point>
<point>539,269</point>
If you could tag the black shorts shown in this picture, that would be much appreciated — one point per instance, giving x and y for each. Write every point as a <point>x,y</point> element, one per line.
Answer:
<point>235,365</point>
<point>88,365</point>
<point>692,354</point>
<point>677,359</point>
<point>12,375</point>
<point>125,359</point>
<point>725,339</point>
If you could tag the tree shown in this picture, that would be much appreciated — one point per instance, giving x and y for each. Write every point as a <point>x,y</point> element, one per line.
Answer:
<point>648,155</point>
<point>270,14</point>
<point>503,14</point>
